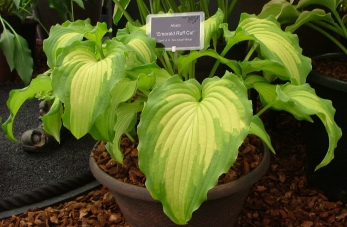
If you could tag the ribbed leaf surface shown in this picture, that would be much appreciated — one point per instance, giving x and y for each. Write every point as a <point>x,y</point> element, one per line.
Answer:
<point>278,46</point>
<point>63,35</point>
<point>301,101</point>
<point>189,134</point>
<point>103,128</point>
<point>84,83</point>
<point>330,4</point>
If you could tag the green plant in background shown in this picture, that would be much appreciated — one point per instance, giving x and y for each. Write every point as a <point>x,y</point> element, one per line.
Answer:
<point>65,8</point>
<point>329,17</point>
<point>158,6</point>
<point>14,46</point>
<point>188,132</point>
<point>20,8</point>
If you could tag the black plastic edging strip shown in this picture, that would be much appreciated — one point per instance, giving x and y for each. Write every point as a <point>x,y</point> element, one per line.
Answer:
<point>52,201</point>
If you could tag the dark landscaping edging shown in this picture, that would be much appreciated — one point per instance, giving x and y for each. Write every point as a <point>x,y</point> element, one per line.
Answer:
<point>48,195</point>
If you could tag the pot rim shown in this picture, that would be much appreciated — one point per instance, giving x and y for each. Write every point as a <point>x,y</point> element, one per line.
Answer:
<point>219,191</point>
<point>324,80</point>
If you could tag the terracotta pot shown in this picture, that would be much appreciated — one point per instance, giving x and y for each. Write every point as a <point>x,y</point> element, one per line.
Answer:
<point>331,179</point>
<point>222,207</point>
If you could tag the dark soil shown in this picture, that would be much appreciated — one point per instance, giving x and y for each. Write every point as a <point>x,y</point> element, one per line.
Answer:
<point>249,157</point>
<point>336,68</point>
<point>282,197</point>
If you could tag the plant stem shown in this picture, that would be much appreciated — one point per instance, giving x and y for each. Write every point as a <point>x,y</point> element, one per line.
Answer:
<point>36,19</point>
<point>334,29</point>
<point>191,74</point>
<point>342,25</point>
<point>3,22</point>
<point>168,63</point>
<point>99,48</point>
<point>231,8</point>
<point>263,109</point>
<point>217,63</point>
<point>214,69</point>
<point>142,93</point>
<point>251,51</point>
<point>130,137</point>
<point>126,14</point>
<point>332,38</point>
<point>72,17</point>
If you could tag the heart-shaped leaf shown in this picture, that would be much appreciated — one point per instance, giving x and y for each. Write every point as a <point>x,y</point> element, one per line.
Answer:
<point>189,135</point>
<point>84,83</point>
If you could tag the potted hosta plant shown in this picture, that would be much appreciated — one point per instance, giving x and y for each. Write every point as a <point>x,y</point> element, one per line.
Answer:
<point>188,132</point>
<point>328,78</point>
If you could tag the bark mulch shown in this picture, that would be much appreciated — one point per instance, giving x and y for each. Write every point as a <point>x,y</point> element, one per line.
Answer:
<point>282,197</point>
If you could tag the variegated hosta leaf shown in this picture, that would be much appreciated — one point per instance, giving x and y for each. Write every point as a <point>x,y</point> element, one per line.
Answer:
<point>257,128</point>
<point>301,101</point>
<point>330,4</point>
<point>234,37</point>
<point>141,45</point>
<point>312,16</point>
<point>65,34</point>
<point>52,120</point>
<point>211,27</point>
<point>284,11</point>
<point>189,134</point>
<point>185,60</point>
<point>268,96</point>
<point>251,79</point>
<point>97,34</point>
<point>126,120</point>
<point>84,83</point>
<point>263,65</point>
<point>130,29</point>
<point>277,46</point>
<point>159,73</point>
<point>41,83</point>
<point>296,15</point>
<point>146,82</point>
<point>103,127</point>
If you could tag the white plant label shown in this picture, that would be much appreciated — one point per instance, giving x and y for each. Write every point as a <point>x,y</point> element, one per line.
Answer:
<point>177,31</point>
